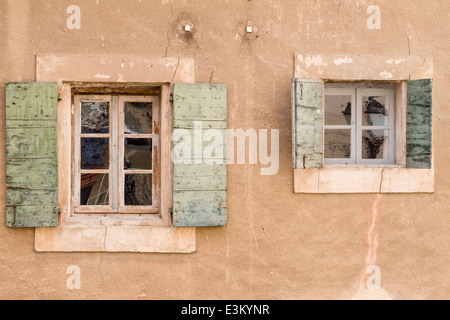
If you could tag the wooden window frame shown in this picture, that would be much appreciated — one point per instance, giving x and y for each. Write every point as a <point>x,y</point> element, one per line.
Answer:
<point>69,217</point>
<point>116,138</point>
<point>76,154</point>
<point>155,171</point>
<point>162,218</point>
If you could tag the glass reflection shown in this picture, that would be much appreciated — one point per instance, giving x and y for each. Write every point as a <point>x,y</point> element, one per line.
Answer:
<point>337,144</point>
<point>138,117</point>
<point>94,117</point>
<point>375,112</point>
<point>94,153</point>
<point>138,189</point>
<point>138,154</point>
<point>374,144</point>
<point>338,110</point>
<point>94,189</point>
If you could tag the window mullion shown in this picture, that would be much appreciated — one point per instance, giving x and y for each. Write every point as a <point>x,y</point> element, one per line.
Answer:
<point>392,144</point>
<point>115,160</point>
<point>358,129</point>
<point>120,154</point>
<point>156,154</point>
<point>353,156</point>
<point>77,151</point>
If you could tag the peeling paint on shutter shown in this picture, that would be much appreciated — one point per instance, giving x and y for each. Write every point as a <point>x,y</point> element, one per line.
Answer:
<point>31,155</point>
<point>419,124</point>
<point>307,123</point>
<point>199,186</point>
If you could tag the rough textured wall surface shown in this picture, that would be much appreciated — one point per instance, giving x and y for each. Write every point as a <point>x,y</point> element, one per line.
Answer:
<point>277,245</point>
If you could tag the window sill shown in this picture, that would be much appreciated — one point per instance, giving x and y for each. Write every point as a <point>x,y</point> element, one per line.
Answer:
<point>110,238</point>
<point>363,179</point>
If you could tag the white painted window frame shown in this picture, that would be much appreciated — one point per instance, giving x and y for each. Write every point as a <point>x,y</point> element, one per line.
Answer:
<point>343,91</point>
<point>357,92</point>
<point>390,148</point>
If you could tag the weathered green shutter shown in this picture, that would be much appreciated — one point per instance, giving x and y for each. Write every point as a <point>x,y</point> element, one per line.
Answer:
<point>199,186</point>
<point>307,123</point>
<point>418,123</point>
<point>31,155</point>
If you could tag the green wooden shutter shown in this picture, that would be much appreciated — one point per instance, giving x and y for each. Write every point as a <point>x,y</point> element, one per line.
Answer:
<point>199,187</point>
<point>418,123</point>
<point>307,123</point>
<point>31,155</point>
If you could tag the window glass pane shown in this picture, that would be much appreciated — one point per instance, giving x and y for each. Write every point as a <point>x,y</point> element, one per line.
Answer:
<point>375,111</point>
<point>94,189</point>
<point>338,110</point>
<point>94,153</point>
<point>337,144</point>
<point>138,117</point>
<point>138,189</point>
<point>138,154</point>
<point>375,144</point>
<point>94,117</point>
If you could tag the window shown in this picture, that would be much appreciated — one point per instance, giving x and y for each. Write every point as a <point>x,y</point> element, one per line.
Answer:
<point>116,154</point>
<point>362,124</point>
<point>102,135</point>
<point>359,124</point>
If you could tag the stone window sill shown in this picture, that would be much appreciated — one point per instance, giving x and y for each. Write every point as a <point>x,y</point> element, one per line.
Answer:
<point>115,239</point>
<point>363,179</point>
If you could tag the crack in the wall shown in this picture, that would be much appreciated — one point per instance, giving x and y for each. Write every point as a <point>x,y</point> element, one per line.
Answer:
<point>372,239</point>
<point>212,74</point>
<point>101,254</point>
<point>100,270</point>
<point>372,235</point>
<point>339,7</point>
<point>106,236</point>
<point>168,41</point>
<point>365,292</point>
<point>168,30</point>
<point>175,72</point>
<point>106,233</point>
<point>404,32</point>
<point>418,68</point>
<point>409,44</point>
<point>381,180</point>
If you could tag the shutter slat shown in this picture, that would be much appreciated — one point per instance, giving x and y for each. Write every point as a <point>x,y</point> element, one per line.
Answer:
<point>199,208</point>
<point>307,126</point>
<point>199,187</point>
<point>41,142</point>
<point>197,152</point>
<point>419,124</point>
<point>31,155</point>
<point>189,124</point>
<point>201,176</point>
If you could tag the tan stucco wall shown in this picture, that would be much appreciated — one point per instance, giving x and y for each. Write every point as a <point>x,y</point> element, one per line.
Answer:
<point>277,245</point>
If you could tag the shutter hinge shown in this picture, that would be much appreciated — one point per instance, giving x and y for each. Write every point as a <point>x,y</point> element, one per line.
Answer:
<point>59,210</point>
<point>59,94</point>
<point>171,98</point>
<point>171,210</point>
